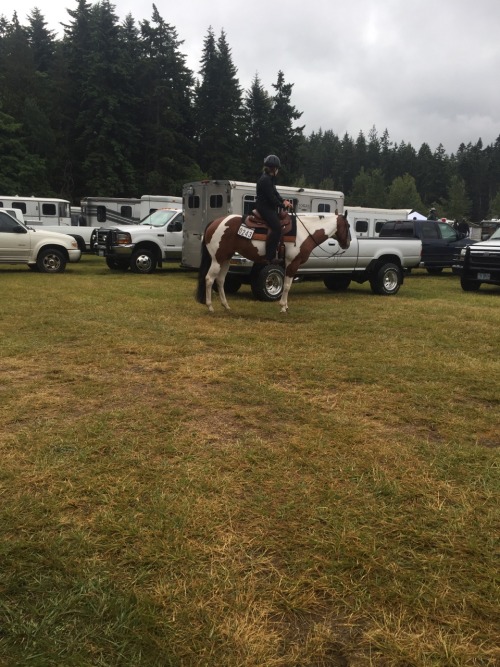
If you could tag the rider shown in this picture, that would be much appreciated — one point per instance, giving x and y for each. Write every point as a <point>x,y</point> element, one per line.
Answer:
<point>267,203</point>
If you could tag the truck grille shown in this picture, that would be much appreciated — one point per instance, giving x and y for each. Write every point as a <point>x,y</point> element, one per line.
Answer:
<point>485,260</point>
<point>104,237</point>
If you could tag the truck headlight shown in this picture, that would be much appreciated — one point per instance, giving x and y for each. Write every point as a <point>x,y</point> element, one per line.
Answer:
<point>462,253</point>
<point>123,238</point>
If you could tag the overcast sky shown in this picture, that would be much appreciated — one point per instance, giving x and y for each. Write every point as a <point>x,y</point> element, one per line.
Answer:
<point>427,70</point>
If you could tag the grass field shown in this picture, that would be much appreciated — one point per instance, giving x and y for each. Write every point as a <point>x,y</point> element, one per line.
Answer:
<point>247,489</point>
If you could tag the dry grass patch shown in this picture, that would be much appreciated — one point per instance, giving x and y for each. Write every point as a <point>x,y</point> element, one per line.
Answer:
<point>246,488</point>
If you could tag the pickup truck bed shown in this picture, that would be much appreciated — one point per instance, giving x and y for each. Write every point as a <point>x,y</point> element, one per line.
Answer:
<point>382,262</point>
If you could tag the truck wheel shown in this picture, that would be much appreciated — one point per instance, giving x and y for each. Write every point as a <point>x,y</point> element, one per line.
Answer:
<point>143,261</point>
<point>117,264</point>
<point>51,260</point>
<point>267,282</point>
<point>469,285</point>
<point>387,279</point>
<point>434,271</point>
<point>337,283</point>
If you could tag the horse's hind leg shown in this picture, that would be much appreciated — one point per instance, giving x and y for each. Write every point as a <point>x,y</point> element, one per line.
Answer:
<point>220,278</point>
<point>211,276</point>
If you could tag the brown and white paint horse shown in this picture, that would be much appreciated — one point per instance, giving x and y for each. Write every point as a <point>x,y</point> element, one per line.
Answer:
<point>221,241</point>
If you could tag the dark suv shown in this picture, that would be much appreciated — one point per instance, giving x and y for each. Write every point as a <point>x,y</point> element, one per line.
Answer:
<point>440,242</point>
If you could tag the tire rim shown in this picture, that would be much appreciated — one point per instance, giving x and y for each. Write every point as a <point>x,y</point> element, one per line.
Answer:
<point>143,262</point>
<point>51,263</point>
<point>274,283</point>
<point>391,280</point>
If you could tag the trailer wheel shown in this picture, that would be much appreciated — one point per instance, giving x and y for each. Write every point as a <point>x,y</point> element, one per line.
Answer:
<point>267,282</point>
<point>387,279</point>
<point>143,261</point>
<point>337,283</point>
<point>51,260</point>
<point>469,285</point>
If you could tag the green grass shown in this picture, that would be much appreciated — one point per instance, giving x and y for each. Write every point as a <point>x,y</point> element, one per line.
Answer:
<point>247,488</point>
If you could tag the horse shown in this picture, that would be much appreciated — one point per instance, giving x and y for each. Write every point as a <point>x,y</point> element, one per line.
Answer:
<point>228,235</point>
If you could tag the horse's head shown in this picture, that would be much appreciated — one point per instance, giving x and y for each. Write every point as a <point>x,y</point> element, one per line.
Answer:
<point>343,234</point>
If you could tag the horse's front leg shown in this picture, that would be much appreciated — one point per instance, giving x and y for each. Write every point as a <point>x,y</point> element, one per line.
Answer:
<point>221,277</point>
<point>284,297</point>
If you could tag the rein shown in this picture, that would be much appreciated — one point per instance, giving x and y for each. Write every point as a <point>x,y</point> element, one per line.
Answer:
<point>340,251</point>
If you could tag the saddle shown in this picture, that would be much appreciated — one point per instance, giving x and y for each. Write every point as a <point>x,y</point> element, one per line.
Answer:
<point>255,221</point>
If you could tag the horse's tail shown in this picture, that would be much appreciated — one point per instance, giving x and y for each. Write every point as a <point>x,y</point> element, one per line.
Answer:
<point>206,260</point>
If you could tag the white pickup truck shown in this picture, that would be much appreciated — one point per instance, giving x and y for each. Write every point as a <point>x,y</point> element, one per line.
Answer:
<point>382,262</point>
<point>48,252</point>
<point>143,247</point>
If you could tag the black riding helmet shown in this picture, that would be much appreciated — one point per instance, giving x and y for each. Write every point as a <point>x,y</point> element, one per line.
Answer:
<point>272,161</point>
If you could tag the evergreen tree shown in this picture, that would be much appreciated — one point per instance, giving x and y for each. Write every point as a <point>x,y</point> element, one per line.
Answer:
<point>20,172</point>
<point>403,194</point>
<point>166,112</point>
<point>458,205</point>
<point>106,128</point>
<point>287,139</point>
<point>220,130</point>
<point>494,210</point>
<point>257,129</point>
<point>368,190</point>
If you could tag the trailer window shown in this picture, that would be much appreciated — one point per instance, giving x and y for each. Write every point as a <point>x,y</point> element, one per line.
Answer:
<point>126,211</point>
<point>101,213</point>
<point>193,201</point>
<point>361,226</point>
<point>324,208</point>
<point>49,209</point>
<point>248,204</point>
<point>215,201</point>
<point>20,205</point>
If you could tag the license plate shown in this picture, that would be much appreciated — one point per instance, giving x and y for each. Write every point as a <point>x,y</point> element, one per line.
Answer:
<point>246,232</point>
<point>101,253</point>
<point>483,276</point>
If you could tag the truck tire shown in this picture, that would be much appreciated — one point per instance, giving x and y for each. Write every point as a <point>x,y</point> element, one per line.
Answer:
<point>469,285</point>
<point>143,261</point>
<point>267,282</point>
<point>117,264</point>
<point>387,279</point>
<point>51,260</point>
<point>337,283</point>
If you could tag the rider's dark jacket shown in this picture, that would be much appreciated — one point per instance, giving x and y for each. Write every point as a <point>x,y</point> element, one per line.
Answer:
<point>268,198</point>
<point>267,202</point>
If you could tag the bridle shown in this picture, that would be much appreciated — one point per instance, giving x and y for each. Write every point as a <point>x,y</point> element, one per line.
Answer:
<point>340,251</point>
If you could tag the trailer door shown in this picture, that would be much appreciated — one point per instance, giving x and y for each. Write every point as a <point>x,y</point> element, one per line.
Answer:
<point>203,202</point>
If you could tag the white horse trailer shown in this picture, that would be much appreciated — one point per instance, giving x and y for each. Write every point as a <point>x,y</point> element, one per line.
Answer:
<point>151,203</point>
<point>205,201</point>
<point>367,222</point>
<point>100,211</point>
<point>39,210</point>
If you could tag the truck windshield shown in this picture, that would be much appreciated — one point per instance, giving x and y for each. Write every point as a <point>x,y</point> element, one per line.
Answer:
<point>160,217</point>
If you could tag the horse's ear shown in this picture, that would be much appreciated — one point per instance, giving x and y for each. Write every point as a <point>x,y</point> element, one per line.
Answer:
<point>345,214</point>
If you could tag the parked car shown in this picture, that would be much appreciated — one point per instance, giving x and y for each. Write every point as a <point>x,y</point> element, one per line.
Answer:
<point>480,263</point>
<point>440,241</point>
<point>44,251</point>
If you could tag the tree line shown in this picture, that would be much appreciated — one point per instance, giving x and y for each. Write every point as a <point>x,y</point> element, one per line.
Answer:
<point>111,109</point>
